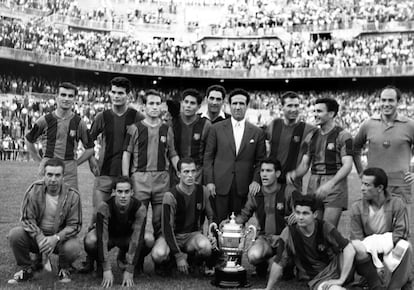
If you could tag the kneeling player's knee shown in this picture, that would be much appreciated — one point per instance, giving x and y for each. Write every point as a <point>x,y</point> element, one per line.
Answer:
<point>254,255</point>
<point>204,247</point>
<point>360,250</point>
<point>90,242</point>
<point>15,235</point>
<point>149,240</point>
<point>160,254</point>
<point>71,249</point>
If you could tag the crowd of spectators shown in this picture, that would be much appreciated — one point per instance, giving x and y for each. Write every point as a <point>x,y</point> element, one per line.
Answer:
<point>135,16</point>
<point>270,54</point>
<point>253,16</point>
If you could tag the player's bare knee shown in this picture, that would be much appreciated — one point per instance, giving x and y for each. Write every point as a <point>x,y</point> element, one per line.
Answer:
<point>15,234</point>
<point>159,254</point>
<point>360,250</point>
<point>203,247</point>
<point>90,241</point>
<point>149,240</point>
<point>71,249</point>
<point>254,256</point>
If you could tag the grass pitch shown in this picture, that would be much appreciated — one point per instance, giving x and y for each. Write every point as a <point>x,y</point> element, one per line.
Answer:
<point>15,177</point>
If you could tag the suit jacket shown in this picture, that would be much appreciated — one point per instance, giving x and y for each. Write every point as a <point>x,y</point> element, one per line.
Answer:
<point>221,164</point>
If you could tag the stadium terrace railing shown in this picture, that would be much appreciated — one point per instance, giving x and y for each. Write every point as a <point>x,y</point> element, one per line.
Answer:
<point>87,23</point>
<point>360,25</point>
<point>255,73</point>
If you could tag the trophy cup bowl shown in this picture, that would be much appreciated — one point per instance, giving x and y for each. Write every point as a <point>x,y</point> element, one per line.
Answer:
<point>231,241</point>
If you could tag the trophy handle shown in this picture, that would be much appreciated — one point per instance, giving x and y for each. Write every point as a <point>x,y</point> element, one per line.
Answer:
<point>213,228</point>
<point>253,229</point>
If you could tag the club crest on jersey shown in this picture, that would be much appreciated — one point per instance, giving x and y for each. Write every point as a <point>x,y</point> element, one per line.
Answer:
<point>279,206</point>
<point>198,206</point>
<point>196,136</point>
<point>330,146</point>
<point>321,247</point>
<point>72,133</point>
<point>296,139</point>
<point>163,139</point>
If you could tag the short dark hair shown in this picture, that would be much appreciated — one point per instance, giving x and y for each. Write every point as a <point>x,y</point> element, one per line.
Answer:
<point>306,200</point>
<point>217,88</point>
<point>288,94</point>
<point>276,163</point>
<point>391,87</point>
<point>69,86</point>
<point>122,179</point>
<point>151,92</point>
<point>331,104</point>
<point>186,160</point>
<point>122,82</point>
<point>192,92</point>
<point>54,162</point>
<point>380,177</point>
<point>239,92</point>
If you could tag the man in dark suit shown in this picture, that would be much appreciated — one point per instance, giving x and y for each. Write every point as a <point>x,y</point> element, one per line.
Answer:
<point>232,158</point>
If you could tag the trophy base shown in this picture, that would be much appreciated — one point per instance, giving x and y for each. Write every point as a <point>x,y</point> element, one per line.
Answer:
<point>230,279</point>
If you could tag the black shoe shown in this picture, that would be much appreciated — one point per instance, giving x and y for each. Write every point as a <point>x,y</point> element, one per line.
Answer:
<point>64,276</point>
<point>88,266</point>
<point>21,276</point>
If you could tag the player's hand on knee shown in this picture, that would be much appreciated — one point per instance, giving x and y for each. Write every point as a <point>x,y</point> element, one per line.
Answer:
<point>213,241</point>
<point>108,279</point>
<point>128,279</point>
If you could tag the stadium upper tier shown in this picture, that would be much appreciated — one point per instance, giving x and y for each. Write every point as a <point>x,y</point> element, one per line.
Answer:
<point>381,55</point>
<point>231,17</point>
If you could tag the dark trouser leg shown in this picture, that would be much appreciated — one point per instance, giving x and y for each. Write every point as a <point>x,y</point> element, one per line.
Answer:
<point>366,269</point>
<point>69,251</point>
<point>22,244</point>
<point>221,203</point>
<point>236,200</point>
<point>401,275</point>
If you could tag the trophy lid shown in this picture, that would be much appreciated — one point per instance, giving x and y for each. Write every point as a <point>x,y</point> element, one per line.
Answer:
<point>232,226</point>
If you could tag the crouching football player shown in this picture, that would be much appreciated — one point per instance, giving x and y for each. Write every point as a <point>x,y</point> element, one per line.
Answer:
<point>182,209</point>
<point>320,253</point>
<point>120,222</point>
<point>272,206</point>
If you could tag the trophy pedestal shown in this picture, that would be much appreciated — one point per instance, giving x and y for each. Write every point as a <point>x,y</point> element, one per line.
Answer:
<point>230,277</point>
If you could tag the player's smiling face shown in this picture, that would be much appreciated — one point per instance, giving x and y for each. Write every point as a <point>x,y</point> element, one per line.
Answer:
<point>190,106</point>
<point>388,102</point>
<point>268,174</point>
<point>291,109</point>
<point>322,116</point>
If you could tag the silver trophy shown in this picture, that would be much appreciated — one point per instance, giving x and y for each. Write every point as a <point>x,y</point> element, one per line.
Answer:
<point>231,241</point>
